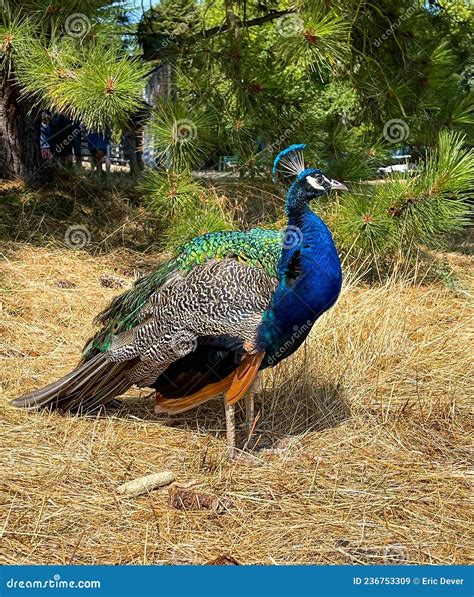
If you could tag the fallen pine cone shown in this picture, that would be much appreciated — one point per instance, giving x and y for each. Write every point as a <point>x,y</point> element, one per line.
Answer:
<point>64,284</point>
<point>187,499</point>
<point>144,484</point>
<point>224,560</point>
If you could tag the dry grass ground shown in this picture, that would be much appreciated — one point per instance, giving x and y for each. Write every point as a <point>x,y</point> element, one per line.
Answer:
<point>371,418</point>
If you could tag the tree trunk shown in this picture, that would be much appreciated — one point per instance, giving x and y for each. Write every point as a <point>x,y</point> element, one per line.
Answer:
<point>235,38</point>
<point>20,155</point>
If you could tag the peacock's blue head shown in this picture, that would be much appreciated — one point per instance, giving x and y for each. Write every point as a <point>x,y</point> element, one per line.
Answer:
<point>309,184</point>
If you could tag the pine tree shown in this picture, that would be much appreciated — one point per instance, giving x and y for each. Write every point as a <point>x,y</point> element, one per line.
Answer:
<point>166,25</point>
<point>380,223</point>
<point>354,81</point>
<point>337,74</point>
<point>54,57</point>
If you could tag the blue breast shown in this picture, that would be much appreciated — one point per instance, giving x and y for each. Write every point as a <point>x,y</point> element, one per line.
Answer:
<point>310,282</point>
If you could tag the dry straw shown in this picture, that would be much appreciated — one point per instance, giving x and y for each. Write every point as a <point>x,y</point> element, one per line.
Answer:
<point>363,438</point>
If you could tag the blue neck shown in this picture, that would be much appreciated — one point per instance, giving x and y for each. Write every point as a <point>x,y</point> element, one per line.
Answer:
<point>310,281</point>
<point>316,254</point>
<point>297,197</point>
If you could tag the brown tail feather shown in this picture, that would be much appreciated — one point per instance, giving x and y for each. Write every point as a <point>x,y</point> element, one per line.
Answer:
<point>90,385</point>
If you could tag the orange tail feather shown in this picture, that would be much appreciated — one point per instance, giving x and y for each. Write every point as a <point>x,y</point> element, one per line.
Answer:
<point>179,405</point>
<point>244,376</point>
<point>233,386</point>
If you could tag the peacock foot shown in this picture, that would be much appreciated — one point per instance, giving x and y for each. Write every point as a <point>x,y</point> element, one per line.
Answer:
<point>165,417</point>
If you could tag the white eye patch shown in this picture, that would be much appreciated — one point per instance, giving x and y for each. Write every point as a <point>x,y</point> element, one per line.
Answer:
<point>314,183</point>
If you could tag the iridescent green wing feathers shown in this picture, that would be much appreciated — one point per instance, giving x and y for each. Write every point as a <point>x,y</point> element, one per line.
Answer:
<point>257,247</point>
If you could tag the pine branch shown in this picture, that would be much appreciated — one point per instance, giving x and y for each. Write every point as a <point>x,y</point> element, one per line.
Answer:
<point>268,18</point>
<point>271,16</point>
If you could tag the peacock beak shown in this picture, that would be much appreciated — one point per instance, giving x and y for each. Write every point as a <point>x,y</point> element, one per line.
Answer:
<point>338,186</point>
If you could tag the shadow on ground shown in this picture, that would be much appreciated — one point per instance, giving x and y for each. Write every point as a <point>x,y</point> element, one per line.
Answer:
<point>280,416</point>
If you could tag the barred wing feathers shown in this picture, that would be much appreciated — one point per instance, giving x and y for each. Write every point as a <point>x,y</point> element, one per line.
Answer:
<point>179,329</point>
<point>257,247</point>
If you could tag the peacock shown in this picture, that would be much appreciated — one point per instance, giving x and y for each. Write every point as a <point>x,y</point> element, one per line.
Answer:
<point>205,322</point>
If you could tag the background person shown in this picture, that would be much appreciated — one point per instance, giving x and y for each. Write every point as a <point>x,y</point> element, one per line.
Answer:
<point>44,136</point>
<point>77,143</point>
<point>61,139</point>
<point>132,140</point>
<point>99,148</point>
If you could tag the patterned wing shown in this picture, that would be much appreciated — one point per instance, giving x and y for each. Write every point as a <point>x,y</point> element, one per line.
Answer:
<point>258,248</point>
<point>219,299</point>
<point>204,316</point>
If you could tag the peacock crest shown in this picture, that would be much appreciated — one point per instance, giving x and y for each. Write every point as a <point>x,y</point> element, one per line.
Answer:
<point>289,162</point>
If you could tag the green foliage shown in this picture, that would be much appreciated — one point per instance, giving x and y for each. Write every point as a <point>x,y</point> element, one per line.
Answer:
<point>408,64</point>
<point>182,134</point>
<point>97,84</point>
<point>211,214</point>
<point>169,194</point>
<point>14,34</point>
<point>315,38</point>
<point>70,59</point>
<point>250,78</point>
<point>166,25</point>
<point>172,17</point>
<point>187,207</point>
<point>363,224</point>
<point>449,169</point>
<point>347,152</point>
<point>330,74</point>
<point>410,210</point>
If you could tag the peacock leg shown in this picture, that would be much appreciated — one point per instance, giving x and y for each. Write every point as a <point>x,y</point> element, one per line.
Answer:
<point>249,413</point>
<point>230,428</point>
<point>250,405</point>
